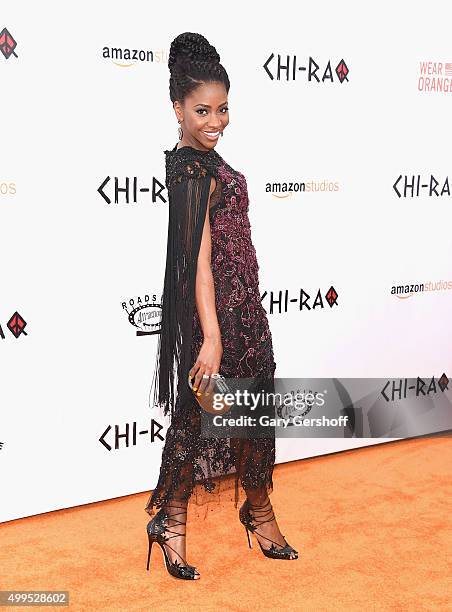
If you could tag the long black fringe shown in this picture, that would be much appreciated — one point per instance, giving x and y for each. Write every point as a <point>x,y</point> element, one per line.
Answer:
<point>188,201</point>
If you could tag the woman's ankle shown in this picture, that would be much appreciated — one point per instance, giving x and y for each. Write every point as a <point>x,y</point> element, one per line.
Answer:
<point>257,497</point>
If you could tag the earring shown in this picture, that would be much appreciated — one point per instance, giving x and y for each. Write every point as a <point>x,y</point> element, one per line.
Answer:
<point>181,133</point>
<point>222,133</point>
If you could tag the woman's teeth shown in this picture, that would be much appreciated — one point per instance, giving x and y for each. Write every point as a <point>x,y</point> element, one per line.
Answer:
<point>212,135</point>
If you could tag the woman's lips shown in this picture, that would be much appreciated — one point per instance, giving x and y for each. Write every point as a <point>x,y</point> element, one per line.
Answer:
<point>212,135</point>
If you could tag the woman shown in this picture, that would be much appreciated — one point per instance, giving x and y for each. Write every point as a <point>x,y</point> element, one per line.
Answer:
<point>212,317</point>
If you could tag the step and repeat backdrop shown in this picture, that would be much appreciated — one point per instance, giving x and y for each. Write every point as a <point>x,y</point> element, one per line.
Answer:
<point>340,121</point>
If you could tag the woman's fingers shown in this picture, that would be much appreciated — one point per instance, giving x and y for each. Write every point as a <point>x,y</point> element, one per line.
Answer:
<point>207,363</point>
<point>200,381</point>
<point>211,383</point>
<point>204,381</point>
<point>203,384</point>
<point>196,372</point>
<point>193,371</point>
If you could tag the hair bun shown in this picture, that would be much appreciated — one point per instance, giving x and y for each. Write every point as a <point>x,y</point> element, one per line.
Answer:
<point>189,47</point>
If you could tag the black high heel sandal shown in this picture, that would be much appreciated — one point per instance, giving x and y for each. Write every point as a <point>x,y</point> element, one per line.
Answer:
<point>156,529</point>
<point>276,551</point>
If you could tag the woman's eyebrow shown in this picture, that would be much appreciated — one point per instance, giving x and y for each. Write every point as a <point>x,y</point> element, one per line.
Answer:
<point>208,106</point>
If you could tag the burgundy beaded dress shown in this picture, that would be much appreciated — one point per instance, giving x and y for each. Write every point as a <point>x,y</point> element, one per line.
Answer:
<point>192,466</point>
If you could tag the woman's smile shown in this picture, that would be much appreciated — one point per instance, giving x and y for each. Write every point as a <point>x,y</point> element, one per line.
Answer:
<point>211,135</point>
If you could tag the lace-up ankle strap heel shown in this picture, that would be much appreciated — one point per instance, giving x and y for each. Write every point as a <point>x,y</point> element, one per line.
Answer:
<point>158,530</point>
<point>264,514</point>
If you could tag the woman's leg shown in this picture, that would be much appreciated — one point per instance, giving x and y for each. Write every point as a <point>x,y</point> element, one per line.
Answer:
<point>255,462</point>
<point>267,529</point>
<point>175,483</point>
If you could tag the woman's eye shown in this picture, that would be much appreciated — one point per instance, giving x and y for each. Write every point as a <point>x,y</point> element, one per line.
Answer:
<point>201,110</point>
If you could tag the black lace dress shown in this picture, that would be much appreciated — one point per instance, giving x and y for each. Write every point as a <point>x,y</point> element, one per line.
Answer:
<point>192,466</point>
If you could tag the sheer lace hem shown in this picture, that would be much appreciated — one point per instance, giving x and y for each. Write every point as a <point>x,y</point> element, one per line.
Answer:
<point>209,496</point>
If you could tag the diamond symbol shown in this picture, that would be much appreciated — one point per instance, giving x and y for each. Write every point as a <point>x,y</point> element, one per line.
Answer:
<point>331,296</point>
<point>443,382</point>
<point>342,71</point>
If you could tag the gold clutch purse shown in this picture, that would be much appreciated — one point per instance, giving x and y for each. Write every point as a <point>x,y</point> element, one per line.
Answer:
<point>212,400</point>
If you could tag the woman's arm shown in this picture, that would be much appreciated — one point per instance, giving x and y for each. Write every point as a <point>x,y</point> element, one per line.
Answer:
<point>209,358</point>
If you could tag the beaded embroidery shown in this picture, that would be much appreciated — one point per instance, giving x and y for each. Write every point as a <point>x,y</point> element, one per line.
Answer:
<point>188,459</point>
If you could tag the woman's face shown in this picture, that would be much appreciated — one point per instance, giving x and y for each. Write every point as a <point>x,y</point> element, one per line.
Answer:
<point>203,115</point>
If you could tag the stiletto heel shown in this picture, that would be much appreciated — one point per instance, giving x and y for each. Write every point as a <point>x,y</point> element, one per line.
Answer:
<point>276,551</point>
<point>149,551</point>
<point>247,533</point>
<point>156,529</point>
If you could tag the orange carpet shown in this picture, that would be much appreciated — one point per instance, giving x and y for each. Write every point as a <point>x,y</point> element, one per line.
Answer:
<point>372,526</point>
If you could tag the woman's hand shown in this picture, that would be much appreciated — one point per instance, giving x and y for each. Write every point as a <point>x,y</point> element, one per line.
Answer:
<point>208,362</point>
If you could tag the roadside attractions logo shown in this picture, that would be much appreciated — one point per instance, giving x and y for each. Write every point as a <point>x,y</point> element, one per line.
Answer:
<point>144,313</point>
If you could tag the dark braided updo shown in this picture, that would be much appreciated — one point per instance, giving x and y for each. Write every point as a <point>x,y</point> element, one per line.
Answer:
<point>192,62</point>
